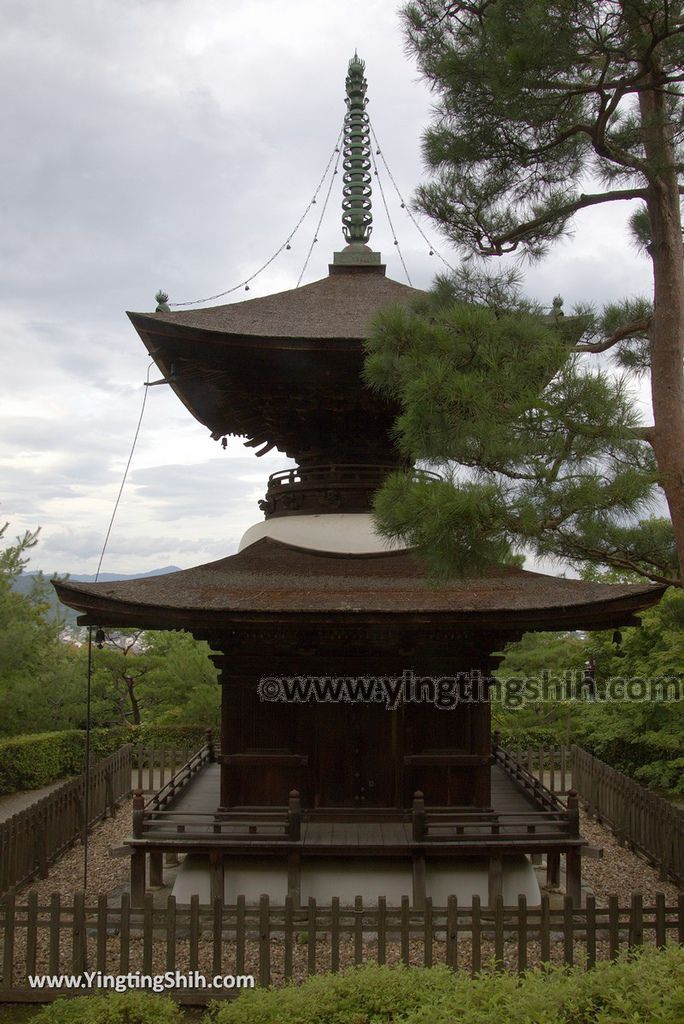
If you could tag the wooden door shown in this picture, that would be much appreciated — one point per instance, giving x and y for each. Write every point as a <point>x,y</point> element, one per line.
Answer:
<point>357,760</point>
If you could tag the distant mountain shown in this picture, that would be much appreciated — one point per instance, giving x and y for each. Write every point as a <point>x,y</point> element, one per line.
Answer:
<point>25,584</point>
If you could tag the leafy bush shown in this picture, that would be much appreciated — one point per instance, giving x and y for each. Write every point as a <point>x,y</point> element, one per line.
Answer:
<point>112,1008</point>
<point>663,775</point>
<point>639,989</point>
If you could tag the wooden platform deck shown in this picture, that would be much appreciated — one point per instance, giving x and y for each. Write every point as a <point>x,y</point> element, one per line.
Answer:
<point>515,822</point>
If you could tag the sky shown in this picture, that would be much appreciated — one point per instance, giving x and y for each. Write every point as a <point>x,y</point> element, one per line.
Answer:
<point>175,144</point>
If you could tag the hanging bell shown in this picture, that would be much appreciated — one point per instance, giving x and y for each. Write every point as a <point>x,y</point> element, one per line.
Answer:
<point>288,246</point>
<point>431,253</point>
<point>100,638</point>
<point>246,287</point>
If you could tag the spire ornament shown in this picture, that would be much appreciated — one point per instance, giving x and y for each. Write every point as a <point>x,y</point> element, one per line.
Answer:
<point>357,216</point>
<point>356,205</point>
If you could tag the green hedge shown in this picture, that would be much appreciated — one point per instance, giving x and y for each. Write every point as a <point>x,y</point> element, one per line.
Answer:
<point>37,759</point>
<point>641,989</point>
<point>28,762</point>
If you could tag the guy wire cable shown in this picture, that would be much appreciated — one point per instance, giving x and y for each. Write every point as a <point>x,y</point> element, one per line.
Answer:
<point>86,773</point>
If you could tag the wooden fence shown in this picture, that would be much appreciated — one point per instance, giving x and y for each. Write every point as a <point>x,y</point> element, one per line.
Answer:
<point>640,819</point>
<point>276,943</point>
<point>35,837</point>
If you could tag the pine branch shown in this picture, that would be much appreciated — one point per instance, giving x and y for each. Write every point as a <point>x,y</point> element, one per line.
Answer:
<point>630,330</point>
<point>620,561</point>
<point>512,238</point>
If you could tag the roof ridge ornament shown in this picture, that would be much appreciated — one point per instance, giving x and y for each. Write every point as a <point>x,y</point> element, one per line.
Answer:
<point>357,214</point>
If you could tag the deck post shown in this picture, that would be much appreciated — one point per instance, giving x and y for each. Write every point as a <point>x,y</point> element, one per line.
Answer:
<point>418,817</point>
<point>294,816</point>
<point>294,877</point>
<point>138,814</point>
<point>419,882</point>
<point>210,744</point>
<point>573,813</point>
<point>495,879</point>
<point>216,876</point>
<point>137,877</point>
<point>156,869</point>
<point>553,869</point>
<point>573,875</point>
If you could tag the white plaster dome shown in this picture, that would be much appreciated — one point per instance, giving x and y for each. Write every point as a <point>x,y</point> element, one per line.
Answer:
<point>351,533</point>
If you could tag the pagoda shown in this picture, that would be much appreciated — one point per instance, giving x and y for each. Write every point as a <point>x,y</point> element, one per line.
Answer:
<point>301,780</point>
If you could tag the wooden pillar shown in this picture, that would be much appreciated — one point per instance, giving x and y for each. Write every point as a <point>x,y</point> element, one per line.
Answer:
<point>294,876</point>
<point>156,869</point>
<point>419,882</point>
<point>231,719</point>
<point>573,875</point>
<point>216,875</point>
<point>137,877</point>
<point>495,879</point>
<point>553,869</point>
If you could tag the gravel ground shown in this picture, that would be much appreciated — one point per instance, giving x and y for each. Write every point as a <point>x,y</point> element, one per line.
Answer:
<point>620,872</point>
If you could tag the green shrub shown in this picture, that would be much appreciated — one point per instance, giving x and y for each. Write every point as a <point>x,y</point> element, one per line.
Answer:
<point>112,1008</point>
<point>647,988</point>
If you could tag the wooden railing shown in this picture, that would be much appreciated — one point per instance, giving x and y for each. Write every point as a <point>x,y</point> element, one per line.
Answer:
<point>281,942</point>
<point>154,766</point>
<point>645,822</point>
<point>551,765</point>
<point>245,824</point>
<point>527,780</point>
<point>35,837</point>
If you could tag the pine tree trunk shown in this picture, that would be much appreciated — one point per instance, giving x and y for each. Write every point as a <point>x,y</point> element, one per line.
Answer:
<point>667,334</point>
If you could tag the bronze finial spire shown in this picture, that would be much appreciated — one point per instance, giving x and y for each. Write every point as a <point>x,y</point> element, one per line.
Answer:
<point>357,216</point>
<point>356,205</point>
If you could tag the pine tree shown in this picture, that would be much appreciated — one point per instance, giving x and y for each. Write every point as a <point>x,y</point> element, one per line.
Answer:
<point>535,100</point>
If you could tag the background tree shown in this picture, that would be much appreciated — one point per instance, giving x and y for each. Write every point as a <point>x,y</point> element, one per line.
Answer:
<point>535,102</point>
<point>140,678</point>
<point>644,738</point>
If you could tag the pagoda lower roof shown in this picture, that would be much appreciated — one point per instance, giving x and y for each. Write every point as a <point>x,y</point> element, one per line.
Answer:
<point>270,580</point>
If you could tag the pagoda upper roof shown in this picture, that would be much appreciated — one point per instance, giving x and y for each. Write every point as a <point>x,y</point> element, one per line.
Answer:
<point>339,306</point>
<point>284,370</point>
<point>270,580</point>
